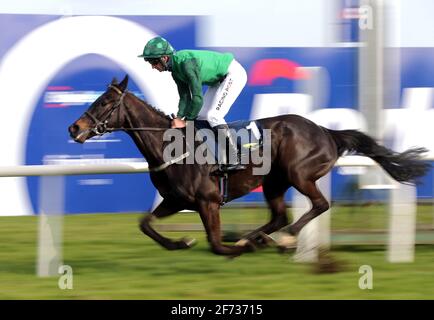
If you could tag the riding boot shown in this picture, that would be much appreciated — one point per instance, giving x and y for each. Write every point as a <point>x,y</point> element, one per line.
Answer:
<point>230,161</point>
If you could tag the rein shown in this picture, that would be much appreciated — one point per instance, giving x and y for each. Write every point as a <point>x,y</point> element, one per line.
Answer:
<point>101,127</point>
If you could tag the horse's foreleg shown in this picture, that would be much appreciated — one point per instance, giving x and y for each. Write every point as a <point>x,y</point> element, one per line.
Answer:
<point>165,209</point>
<point>210,215</point>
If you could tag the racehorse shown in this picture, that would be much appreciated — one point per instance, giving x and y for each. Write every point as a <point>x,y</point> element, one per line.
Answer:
<point>301,153</point>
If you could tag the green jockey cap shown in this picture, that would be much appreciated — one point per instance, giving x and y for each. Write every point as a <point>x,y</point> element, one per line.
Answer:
<point>156,48</point>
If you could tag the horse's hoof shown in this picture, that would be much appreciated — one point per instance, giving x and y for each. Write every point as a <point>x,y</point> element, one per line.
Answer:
<point>266,239</point>
<point>242,242</point>
<point>284,240</point>
<point>288,242</point>
<point>248,245</point>
<point>189,242</point>
<point>184,243</point>
<point>261,240</point>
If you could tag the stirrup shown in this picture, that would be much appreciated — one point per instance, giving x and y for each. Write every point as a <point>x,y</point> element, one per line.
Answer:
<point>231,167</point>
<point>234,167</point>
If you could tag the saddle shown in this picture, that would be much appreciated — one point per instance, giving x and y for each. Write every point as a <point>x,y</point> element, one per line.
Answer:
<point>247,133</point>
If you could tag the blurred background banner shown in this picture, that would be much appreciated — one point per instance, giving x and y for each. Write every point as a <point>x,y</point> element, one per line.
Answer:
<point>55,62</point>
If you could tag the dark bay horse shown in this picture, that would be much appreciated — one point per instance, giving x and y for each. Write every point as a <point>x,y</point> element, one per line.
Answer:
<point>301,153</point>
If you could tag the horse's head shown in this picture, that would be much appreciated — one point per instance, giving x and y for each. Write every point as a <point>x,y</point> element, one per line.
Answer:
<point>104,112</point>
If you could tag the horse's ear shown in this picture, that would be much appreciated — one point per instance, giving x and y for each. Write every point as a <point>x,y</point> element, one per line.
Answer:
<point>114,81</point>
<point>124,83</point>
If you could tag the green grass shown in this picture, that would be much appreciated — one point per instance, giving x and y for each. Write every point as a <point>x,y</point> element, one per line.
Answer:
<point>361,218</point>
<point>111,259</point>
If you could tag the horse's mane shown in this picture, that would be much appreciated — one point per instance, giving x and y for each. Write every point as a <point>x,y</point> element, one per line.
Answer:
<point>155,109</point>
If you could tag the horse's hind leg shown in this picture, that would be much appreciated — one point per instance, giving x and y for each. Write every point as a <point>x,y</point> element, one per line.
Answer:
<point>165,209</point>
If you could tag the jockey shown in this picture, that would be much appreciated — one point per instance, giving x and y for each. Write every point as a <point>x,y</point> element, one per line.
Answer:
<point>191,69</point>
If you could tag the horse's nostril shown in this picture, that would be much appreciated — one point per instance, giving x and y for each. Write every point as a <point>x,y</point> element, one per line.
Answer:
<point>74,129</point>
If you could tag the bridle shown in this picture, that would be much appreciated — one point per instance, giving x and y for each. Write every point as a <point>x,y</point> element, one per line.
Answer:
<point>101,128</point>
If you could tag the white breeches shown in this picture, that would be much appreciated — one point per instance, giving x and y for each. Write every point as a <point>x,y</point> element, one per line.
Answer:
<point>218,99</point>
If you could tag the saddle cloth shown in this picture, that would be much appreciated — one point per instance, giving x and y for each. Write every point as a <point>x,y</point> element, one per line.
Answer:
<point>248,134</point>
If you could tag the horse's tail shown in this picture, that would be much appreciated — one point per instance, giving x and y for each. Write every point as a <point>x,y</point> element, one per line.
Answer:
<point>404,167</point>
